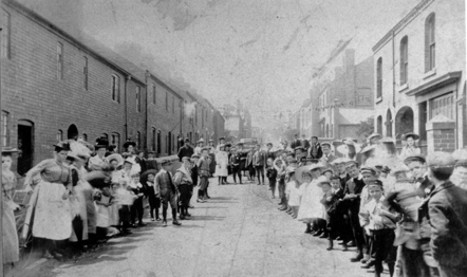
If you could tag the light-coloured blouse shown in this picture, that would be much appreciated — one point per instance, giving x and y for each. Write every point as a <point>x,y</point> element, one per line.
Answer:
<point>51,171</point>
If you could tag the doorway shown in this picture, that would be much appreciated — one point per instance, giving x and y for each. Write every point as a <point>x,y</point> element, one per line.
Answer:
<point>25,146</point>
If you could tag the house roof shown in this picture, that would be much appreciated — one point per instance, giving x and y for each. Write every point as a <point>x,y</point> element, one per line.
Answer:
<point>352,116</point>
<point>85,43</point>
<point>401,24</point>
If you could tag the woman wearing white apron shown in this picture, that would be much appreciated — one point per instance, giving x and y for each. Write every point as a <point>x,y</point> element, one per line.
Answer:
<point>50,200</point>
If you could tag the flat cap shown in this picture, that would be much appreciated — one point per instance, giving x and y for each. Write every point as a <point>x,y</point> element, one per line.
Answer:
<point>415,158</point>
<point>366,168</point>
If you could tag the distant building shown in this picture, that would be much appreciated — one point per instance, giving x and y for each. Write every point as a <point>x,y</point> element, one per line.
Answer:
<point>346,100</point>
<point>237,121</point>
<point>420,76</point>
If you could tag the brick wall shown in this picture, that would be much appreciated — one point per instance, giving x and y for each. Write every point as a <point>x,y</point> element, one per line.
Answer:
<point>31,90</point>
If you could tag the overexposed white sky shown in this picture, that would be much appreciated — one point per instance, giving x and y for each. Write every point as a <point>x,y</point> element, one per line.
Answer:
<point>263,52</point>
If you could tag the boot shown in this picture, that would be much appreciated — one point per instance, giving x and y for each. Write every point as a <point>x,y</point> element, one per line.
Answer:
<point>330,245</point>
<point>357,258</point>
<point>308,229</point>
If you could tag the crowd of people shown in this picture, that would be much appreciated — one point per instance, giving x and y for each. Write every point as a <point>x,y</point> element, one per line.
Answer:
<point>88,193</point>
<point>398,208</point>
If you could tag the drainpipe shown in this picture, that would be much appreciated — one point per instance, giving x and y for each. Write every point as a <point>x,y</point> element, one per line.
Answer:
<point>146,127</point>
<point>125,103</point>
<point>393,72</point>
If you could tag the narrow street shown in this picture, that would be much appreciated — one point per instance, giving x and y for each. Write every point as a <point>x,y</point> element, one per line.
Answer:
<point>239,232</point>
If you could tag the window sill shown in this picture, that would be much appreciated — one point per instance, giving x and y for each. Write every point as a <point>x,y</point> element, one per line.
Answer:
<point>430,73</point>
<point>403,87</point>
<point>379,100</point>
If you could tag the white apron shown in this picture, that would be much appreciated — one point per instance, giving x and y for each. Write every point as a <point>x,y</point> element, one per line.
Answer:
<point>310,205</point>
<point>52,216</point>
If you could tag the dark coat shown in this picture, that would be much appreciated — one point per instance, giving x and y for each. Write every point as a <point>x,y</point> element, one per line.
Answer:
<point>185,151</point>
<point>319,151</point>
<point>446,210</point>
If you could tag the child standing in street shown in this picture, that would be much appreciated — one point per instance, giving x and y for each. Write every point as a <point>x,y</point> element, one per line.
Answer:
<point>292,192</point>
<point>379,223</point>
<point>271,173</point>
<point>153,197</point>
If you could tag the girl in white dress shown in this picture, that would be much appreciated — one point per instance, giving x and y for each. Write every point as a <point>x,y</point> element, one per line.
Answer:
<point>311,194</point>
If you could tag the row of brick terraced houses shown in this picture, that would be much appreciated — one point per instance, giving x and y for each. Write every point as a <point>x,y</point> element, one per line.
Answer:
<point>55,86</point>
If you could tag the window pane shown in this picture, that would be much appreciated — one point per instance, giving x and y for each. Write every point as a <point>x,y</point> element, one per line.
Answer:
<point>5,133</point>
<point>5,48</point>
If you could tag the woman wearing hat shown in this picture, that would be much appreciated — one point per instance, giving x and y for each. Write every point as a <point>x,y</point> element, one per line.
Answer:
<point>10,249</point>
<point>50,200</point>
<point>410,149</point>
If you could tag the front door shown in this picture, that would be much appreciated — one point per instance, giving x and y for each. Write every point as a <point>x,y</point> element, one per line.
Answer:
<point>25,147</point>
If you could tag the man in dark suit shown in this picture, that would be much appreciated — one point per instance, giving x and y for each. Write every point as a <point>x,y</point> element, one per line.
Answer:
<point>315,151</point>
<point>305,143</point>
<point>296,142</point>
<point>186,150</point>
<point>446,210</point>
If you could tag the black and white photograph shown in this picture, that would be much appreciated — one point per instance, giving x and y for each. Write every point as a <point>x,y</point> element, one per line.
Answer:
<point>233,138</point>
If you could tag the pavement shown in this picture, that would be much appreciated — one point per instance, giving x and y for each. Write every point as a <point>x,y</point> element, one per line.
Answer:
<point>238,232</point>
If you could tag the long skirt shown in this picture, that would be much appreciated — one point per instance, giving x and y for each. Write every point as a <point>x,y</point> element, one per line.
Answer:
<point>79,209</point>
<point>10,236</point>
<point>310,205</point>
<point>52,216</point>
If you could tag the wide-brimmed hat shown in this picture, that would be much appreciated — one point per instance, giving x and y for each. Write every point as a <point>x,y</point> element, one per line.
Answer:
<point>374,135</point>
<point>327,169</point>
<point>316,166</point>
<point>201,140</point>
<point>400,167</point>
<point>291,168</point>
<point>195,156</point>
<point>301,171</point>
<point>8,150</point>
<point>62,146</point>
<point>410,134</point>
<point>323,180</point>
<point>367,149</point>
<point>128,161</point>
<point>128,143</point>
<point>116,157</point>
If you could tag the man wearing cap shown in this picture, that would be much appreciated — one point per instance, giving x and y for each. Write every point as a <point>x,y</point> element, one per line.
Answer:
<point>327,157</point>
<point>446,210</point>
<point>379,223</point>
<point>351,202</point>
<point>168,192</point>
<point>368,176</point>
<point>315,151</point>
<point>186,150</point>
<point>410,258</point>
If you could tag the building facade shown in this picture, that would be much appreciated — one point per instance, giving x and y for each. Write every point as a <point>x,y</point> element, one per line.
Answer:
<point>346,100</point>
<point>55,86</point>
<point>420,76</point>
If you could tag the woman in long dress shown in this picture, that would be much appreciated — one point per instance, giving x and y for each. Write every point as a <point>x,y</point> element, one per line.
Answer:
<point>52,220</point>
<point>222,161</point>
<point>10,249</point>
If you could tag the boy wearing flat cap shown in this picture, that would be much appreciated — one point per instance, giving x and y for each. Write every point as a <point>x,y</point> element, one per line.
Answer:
<point>379,223</point>
<point>446,211</point>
